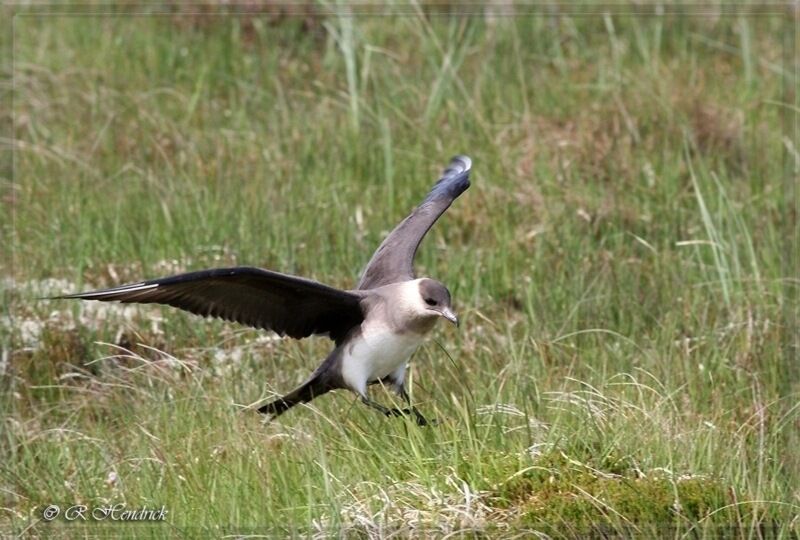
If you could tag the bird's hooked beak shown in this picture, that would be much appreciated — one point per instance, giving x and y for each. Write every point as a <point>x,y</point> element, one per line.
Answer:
<point>448,314</point>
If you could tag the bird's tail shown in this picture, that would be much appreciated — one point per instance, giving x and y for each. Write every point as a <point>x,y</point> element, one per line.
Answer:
<point>302,394</point>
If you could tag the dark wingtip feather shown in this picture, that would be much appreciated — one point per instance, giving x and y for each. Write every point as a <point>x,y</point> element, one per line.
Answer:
<point>458,165</point>
<point>116,293</point>
<point>454,180</point>
<point>62,297</point>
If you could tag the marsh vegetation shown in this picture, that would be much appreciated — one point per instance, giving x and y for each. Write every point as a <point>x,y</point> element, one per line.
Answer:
<point>623,266</point>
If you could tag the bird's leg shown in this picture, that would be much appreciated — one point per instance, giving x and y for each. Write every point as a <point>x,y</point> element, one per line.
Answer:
<point>395,411</point>
<point>383,410</point>
<point>421,420</point>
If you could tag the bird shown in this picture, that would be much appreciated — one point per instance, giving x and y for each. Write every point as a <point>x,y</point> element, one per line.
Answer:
<point>375,328</point>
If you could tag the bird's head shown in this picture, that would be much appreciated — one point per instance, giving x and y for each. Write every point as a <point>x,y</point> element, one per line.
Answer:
<point>435,299</point>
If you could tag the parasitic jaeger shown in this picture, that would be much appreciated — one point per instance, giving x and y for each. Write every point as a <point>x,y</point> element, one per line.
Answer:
<point>375,327</point>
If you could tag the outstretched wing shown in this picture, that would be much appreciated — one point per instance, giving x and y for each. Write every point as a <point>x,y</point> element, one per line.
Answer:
<point>285,304</point>
<point>394,259</point>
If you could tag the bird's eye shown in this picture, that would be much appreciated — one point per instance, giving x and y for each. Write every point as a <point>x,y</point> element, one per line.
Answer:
<point>430,301</point>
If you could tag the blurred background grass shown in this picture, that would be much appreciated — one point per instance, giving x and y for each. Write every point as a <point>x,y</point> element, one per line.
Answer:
<point>623,265</point>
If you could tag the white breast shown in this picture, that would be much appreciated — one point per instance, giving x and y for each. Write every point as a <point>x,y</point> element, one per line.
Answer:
<point>377,353</point>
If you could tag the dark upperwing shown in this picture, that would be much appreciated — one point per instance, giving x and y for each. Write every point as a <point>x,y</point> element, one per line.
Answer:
<point>394,259</point>
<point>287,305</point>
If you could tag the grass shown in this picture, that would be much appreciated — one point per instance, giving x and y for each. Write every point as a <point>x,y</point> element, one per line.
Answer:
<point>620,267</point>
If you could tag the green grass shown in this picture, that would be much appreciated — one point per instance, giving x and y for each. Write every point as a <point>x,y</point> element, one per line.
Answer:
<point>625,363</point>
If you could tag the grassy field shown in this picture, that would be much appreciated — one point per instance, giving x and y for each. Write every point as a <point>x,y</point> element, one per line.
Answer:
<point>624,266</point>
